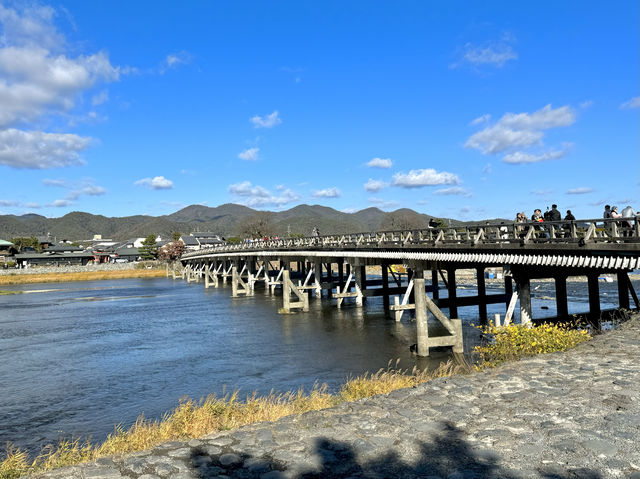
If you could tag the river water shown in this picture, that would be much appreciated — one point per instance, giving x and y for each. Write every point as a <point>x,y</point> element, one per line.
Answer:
<point>78,358</point>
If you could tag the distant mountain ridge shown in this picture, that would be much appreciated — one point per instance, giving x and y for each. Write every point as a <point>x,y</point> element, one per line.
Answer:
<point>223,219</point>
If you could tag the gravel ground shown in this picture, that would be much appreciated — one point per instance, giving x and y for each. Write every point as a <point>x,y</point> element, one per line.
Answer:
<point>565,415</point>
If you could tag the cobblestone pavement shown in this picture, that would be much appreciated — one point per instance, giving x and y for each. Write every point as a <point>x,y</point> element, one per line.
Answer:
<point>573,414</point>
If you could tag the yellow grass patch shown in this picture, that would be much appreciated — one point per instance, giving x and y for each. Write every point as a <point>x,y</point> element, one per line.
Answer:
<point>83,276</point>
<point>516,341</point>
<point>191,419</point>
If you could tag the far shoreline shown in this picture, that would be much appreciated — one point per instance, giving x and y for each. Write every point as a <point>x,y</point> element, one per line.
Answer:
<point>35,276</point>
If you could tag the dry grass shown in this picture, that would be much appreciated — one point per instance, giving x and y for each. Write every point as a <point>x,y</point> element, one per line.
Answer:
<point>191,419</point>
<point>83,276</point>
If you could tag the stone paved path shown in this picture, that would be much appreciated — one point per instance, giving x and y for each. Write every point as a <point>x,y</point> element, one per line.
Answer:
<point>573,414</point>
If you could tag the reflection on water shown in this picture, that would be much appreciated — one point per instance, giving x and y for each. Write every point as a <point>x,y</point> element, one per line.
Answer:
<point>82,357</point>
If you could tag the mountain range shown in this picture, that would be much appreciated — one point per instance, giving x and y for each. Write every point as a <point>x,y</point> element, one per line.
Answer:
<point>225,220</point>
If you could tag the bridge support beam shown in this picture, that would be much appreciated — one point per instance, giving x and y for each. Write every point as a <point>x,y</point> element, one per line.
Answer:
<point>287,288</point>
<point>623,289</point>
<point>360,282</point>
<point>211,275</point>
<point>434,284</point>
<point>482,295</point>
<point>594,301</point>
<point>317,277</point>
<point>238,286</point>
<point>424,304</point>
<point>451,287</point>
<point>385,286</point>
<point>524,293</point>
<point>561,296</point>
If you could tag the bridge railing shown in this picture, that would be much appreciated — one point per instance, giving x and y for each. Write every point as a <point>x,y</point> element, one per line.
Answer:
<point>620,230</point>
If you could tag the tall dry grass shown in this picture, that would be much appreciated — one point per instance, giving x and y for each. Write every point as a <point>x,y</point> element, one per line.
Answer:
<point>82,276</point>
<point>191,419</point>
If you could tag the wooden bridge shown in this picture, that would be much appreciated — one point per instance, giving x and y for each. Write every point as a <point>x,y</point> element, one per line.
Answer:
<point>337,264</point>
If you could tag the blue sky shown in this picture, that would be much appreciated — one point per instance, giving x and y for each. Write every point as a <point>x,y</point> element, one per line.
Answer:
<point>468,110</point>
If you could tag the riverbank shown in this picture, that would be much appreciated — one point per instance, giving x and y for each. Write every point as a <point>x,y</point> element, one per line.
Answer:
<point>571,414</point>
<point>80,273</point>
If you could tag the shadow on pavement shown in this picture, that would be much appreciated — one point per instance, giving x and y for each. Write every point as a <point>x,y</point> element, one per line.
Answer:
<point>446,455</point>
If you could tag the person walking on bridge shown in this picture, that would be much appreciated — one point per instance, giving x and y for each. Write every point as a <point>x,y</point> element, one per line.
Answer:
<point>607,212</point>
<point>554,214</point>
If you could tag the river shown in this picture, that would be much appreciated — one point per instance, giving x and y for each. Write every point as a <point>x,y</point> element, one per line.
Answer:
<point>78,358</point>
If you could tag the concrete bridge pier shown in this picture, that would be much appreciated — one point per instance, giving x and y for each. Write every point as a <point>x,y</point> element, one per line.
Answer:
<point>287,288</point>
<point>238,286</point>
<point>423,304</point>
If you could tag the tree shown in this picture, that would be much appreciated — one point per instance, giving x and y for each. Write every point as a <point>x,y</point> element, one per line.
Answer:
<point>23,242</point>
<point>149,249</point>
<point>438,223</point>
<point>175,236</point>
<point>257,226</point>
<point>171,251</point>
<point>402,220</point>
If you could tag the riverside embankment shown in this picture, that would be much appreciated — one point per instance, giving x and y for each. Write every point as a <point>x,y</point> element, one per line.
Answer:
<point>61,274</point>
<point>572,414</point>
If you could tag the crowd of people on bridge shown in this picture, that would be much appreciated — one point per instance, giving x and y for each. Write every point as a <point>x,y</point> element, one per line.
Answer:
<point>553,215</point>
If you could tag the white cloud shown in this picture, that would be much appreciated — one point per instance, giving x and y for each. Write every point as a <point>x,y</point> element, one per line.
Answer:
<point>424,177</point>
<point>586,104</point>
<point>520,157</point>
<point>34,82</point>
<point>383,204</point>
<point>89,190</point>
<point>481,119</point>
<point>380,163</point>
<point>34,206</point>
<point>487,169</point>
<point>516,130</point>
<point>60,203</point>
<point>38,150</point>
<point>374,185</point>
<point>268,121</point>
<point>632,103</point>
<point>174,60</point>
<point>493,53</point>
<point>255,195</point>
<point>454,190</point>
<point>155,183</point>
<point>542,192</point>
<point>490,55</point>
<point>349,210</point>
<point>100,98</point>
<point>85,187</point>
<point>250,154</point>
<point>57,183</point>
<point>38,76</point>
<point>583,190</point>
<point>32,27</point>
<point>327,193</point>
<point>10,203</point>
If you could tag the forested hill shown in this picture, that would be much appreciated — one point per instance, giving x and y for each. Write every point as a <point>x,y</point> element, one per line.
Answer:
<point>227,220</point>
